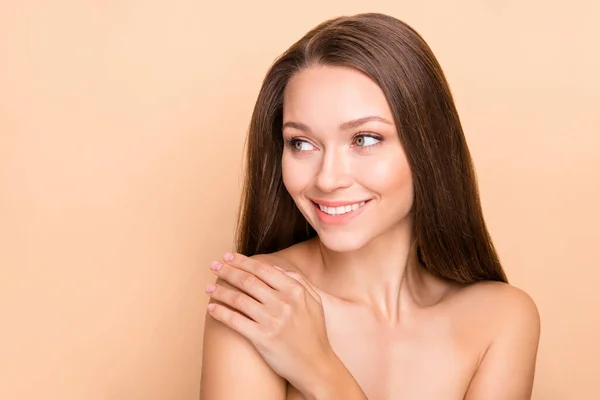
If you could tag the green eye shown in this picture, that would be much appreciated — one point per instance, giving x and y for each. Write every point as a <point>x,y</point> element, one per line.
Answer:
<point>298,145</point>
<point>366,140</point>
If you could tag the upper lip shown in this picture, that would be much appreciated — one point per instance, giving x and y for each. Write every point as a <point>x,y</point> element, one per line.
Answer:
<point>337,203</point>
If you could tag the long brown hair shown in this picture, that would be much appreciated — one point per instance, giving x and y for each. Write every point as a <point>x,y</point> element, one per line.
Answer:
<point>449,229</point>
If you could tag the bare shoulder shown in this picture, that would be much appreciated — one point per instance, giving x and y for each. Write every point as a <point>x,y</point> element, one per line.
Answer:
<point>293,258</point>
<point>511,322</point>
<point>229,358</point>
<point>231,367</point>
<point>504,303</point>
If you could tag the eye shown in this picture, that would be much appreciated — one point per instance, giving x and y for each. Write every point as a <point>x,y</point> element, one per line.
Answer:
<point>364,140</point>
<point>299,144</point>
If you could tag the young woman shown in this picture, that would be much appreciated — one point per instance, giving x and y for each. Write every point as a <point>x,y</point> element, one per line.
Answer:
<point>364,268</point>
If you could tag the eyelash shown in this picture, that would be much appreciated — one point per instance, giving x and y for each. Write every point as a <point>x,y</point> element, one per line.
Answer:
<point>292,140</point>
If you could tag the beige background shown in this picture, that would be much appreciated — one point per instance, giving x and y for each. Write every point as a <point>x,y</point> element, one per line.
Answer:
<point>121,130</point>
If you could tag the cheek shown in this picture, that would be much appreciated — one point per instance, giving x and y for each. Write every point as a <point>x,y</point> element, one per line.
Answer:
<point>391,179</point>
<point>293,175</point>
<point>388,176</point>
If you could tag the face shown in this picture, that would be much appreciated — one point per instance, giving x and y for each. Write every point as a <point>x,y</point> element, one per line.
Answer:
<point>343,163</point>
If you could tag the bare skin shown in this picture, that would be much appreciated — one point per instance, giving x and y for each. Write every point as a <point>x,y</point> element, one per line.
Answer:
<point>401,332</point>
<point>447,342</point>
<point>432,350</point>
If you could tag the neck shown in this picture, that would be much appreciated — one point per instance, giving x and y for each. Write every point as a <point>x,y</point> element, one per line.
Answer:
<point>384,275</point>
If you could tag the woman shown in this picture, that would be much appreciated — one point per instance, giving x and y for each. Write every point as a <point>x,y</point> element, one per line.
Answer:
<point>364,268</point>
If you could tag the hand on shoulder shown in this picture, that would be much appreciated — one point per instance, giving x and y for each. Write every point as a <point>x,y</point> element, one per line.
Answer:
<point>232,368</point>
<point>257,334</point>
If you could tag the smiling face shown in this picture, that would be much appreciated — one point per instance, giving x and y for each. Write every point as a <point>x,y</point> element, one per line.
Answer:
<point>343,163</point>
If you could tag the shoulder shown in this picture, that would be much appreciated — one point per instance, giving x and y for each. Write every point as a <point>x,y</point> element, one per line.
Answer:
<point>231,366</point>
<point>511,322</point>
<point>504,303</point>
<point>503,309</point>
<point>294,258</point>
<point>229,357</point>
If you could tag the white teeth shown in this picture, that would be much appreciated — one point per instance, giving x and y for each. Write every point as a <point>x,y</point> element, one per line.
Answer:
<point>342,209</point>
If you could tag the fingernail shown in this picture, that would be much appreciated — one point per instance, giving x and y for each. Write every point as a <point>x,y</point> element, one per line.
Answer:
<point>211,307</point>
<point>228,257</point>
<point>215,265</point>
<point>210,288</point>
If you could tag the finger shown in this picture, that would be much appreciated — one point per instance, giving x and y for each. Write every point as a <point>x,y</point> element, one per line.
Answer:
<point>274,277</point>
<point>247,282</point>
<point>238,301</point>
<point>300,279</point>
<point>234,320</point>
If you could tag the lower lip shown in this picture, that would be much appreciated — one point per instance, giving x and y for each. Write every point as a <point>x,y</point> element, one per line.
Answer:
<point>339,219</point>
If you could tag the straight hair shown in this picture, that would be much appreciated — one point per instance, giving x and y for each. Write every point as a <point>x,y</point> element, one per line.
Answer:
<point>451,236</point>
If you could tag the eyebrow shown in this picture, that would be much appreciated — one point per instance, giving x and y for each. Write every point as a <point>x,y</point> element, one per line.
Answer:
<point>343,126</point>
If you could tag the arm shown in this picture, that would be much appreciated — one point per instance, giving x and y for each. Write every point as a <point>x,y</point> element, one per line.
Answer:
<point>231,367</point>
<point>507,369</point>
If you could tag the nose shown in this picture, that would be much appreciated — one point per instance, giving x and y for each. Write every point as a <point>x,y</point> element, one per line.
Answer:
<point>334,173</point>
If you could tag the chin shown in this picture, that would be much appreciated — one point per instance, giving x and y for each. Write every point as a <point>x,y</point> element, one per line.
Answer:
<point>342,242</point>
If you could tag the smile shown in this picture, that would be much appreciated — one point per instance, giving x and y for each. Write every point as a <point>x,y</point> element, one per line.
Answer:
<point>341,209</point>
<point>338,213</point>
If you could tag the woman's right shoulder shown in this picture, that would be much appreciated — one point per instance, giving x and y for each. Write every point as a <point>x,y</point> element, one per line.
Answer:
<point>294,258</point>
<point>232,368</point>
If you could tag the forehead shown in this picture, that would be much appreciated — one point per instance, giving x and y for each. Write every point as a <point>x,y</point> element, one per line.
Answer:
<point>322,93</point>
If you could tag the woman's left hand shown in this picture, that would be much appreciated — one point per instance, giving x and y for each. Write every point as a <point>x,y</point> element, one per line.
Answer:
<point>278,312</point>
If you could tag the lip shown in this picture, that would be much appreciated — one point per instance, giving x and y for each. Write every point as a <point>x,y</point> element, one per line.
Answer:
<point>337,203</point>
<point>343,219</point>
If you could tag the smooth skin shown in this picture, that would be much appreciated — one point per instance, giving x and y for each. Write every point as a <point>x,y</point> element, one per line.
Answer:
<point>355,315</point>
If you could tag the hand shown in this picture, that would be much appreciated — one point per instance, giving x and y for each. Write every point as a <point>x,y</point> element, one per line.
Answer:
<point>278,312</point>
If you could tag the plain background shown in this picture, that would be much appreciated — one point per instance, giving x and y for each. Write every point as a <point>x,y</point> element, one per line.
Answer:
<point>122,125</point>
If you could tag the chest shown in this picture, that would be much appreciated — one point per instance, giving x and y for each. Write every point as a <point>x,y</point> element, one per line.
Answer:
<point>432,356</point>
